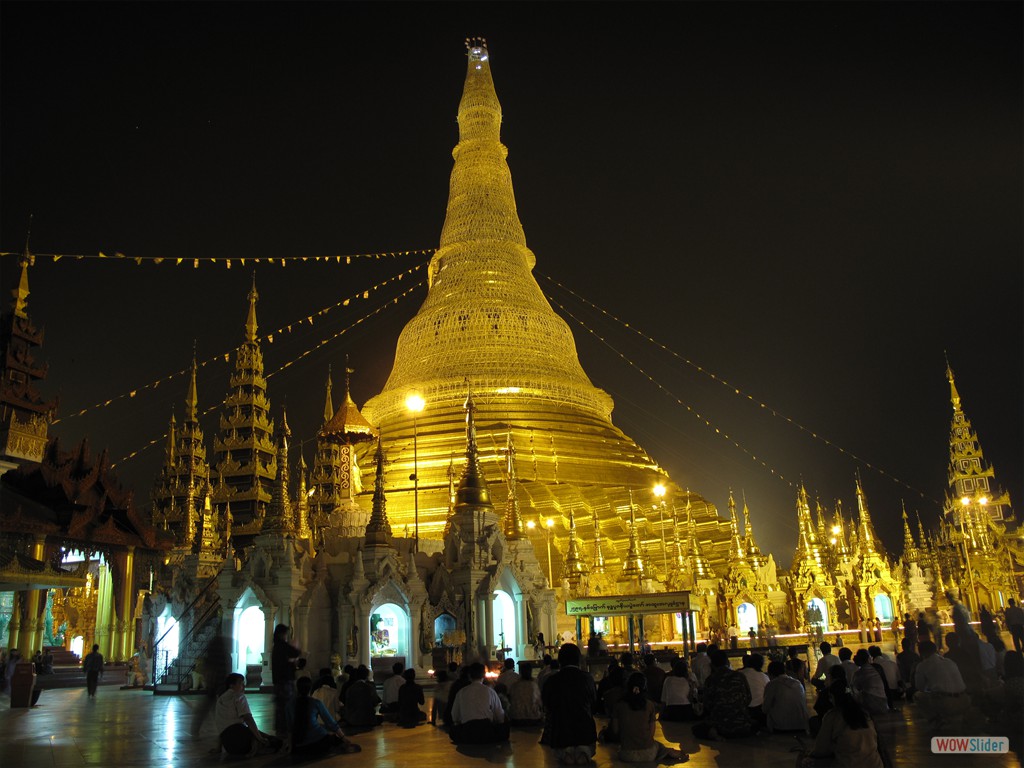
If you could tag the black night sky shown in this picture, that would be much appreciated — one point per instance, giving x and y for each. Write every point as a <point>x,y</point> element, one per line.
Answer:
<point>812,202</point>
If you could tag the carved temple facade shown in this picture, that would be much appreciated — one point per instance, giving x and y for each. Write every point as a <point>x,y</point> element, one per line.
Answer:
<point>423,563</point>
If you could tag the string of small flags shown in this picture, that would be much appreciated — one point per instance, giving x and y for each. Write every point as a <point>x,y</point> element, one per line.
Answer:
<point>195,261</point>
<point>700,417</point>
<point>736,391</point>
<point>269,338</point>
<point>212,408</point>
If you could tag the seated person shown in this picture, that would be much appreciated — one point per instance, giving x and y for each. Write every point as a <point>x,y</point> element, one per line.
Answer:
<point>525,707</point>
<point>633,719</point>
<point>361,701</point>
<point>235,724</point>
<point>477,712</point>
<point>314,732</point>
<point>440,701</point>
<point>785,701</point>
<point>410,697</point>
<point>676,694</point>
<point>847,735</point>
<point>389,692</point>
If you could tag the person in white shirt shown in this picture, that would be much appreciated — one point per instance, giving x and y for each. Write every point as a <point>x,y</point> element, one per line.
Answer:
<point>826,661</point>
<point>785,701</point>
<point>753,663</point>
<point>235,724</point>
<point>846,661</point>
<point>389,691</point>
<point>890,668</point>
<point>939,689</point>
<point>477,714</point>
<point>701,665</point>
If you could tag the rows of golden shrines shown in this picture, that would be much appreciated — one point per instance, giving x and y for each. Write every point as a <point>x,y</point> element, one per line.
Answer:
<point>480,514</point>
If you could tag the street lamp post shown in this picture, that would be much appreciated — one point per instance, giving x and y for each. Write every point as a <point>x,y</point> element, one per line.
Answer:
<point>415,404</point>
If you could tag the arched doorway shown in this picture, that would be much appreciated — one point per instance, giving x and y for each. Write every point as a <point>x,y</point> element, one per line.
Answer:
<point>389,631</point>
<point>746,618</point>
<point>78,645</point>
<point>443,624</point>
<point>248,645</point>
<point>166,645</point>
<point>504,623</point>
<point>883,608</point>
<point>817,614</point>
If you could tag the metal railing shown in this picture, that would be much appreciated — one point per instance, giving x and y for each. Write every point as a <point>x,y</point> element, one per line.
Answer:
<point>160,671</point>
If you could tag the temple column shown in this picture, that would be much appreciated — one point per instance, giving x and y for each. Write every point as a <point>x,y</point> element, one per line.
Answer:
<point>14,628</point>
<point>125,631</point>
<point>30,638</point>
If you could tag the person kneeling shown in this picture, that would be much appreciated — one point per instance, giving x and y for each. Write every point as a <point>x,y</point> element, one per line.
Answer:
<point>477,713</point>
<point>238,732</point>
<point>314,731</point>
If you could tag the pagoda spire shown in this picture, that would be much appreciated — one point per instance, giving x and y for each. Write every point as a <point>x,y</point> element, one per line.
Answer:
<point>513,518</point>
<point>633,566</point>
<point>699,566</point>
<point>192,396</point>
<point>909,547</point>
<point>329,403</point>
<point>251,326</point>
<point>574,570</point>
<point>169,453</point>
<point>473,486</point>
<point>736,553</point>
<point>378,530</point>
<point>302,502</point>
<point>279,518</point>
<point>599,565</point>
<point>865,529</point>
<point>749,544</point>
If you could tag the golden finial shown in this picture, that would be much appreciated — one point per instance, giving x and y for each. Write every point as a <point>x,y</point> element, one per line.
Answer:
<point>250,323</point>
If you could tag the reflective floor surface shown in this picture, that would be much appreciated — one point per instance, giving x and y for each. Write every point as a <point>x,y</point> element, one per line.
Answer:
<point>125,728</point>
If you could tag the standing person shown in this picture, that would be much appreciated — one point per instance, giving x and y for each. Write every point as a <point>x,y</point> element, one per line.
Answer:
<point>734,636</point>
<point>878,630</point>
<point>909,630</point>
<point>569,696</point>
<point>215,672</point>
<point>282,668</point>
<point>633,719</point>
<point>235,724</point>
<point>92,665</point>
<point>1014,617</point>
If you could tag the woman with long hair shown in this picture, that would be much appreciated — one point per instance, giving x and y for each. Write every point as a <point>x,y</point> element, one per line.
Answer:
<point>633,720</point>
<point>314,731</point>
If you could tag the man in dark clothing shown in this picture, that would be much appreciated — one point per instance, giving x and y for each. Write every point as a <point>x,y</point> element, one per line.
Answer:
<point>216,666</point>
<point>907,660</point>
<point>910,630</point>
<point>460,682</point>
<point>282,669</point>
<point>92,665</point>
<point>569,697</point>
<point>655,678</point>
<point>726,702</point>
<point>1015,623</point>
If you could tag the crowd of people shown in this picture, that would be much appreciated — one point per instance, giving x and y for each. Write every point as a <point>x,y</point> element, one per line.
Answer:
<point>975,684</point>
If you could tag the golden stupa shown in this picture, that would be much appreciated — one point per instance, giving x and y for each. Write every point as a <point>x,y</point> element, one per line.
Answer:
<point>486,326</point>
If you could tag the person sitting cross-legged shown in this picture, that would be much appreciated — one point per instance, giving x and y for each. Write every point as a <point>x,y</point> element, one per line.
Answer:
<point>477,713</point>
<point>410,698</point>
<point>314,732</point>
<point>726,702</point>
<point>633,719</point>
<point>785,701</point>
<point>239,735</point>
<point>525,707</point>
<point>677,694</point>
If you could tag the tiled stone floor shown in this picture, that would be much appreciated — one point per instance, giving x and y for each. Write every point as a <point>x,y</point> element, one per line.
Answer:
<point>127,728</point>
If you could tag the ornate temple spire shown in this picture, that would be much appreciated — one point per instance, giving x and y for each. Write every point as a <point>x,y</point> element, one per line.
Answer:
<point>680,557</point>
<point>574,569</point>
<point>909,547</point>
<point>378,530</point>
<point>699,566</point>
<point>866,530</point>
<point>251,326</point>
<point>972,482</point>
<point>208,544</point>
<point>192,396</point>
<point>452,474</point>
<point>633,565</point>
<point>599,565</point>
<point>302,502</point>
<point>736,549</point>
<point>513,519</point>
<point>20,294</point>
<point>839,530</point>
<point>189,513</point>
<point>329,403</point>
<point>279,517</point>
<point>169,452</point>
<point>473,486</point>
<point>749,544</point>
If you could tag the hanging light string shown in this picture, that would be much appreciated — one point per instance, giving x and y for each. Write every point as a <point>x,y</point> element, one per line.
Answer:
<point>700,417</point>
<point>735,390</point>
<point>212,408</point>
<point>195,261</point>
<point>323,342</point>
<point>268,337</point>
